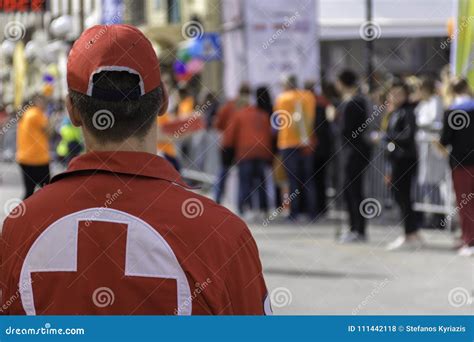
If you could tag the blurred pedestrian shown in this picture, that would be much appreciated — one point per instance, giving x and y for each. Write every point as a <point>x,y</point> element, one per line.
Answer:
<point>264,100</point>
<point>165,145</point>
<point>186,102</point>
<point>70,143</point>
<point>429,112</point>
<point>461,92</point>
<point>294,118</point>
<point>355,152</point>
<point>249,133</point>
<point>324,147</point>
<point>221,123</point>
<point>402,153</point>
<point>184,112</point>
<point>209,106</point>
<point>458,133</point>
<point>33,146</point>
<point>265,104</point>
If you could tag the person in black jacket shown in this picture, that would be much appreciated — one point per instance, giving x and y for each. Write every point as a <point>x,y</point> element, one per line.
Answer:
<point>355,152</point>
<point>324,147</point>
<point>458,133</point>
<point>402,154</point>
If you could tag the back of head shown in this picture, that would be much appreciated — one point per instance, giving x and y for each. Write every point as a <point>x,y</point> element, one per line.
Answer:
<point>459,86</point>
<point>244,96</point>
<point>37,100</point>
<point>348,78</point>
<point>310,86</point>
<point>109,120</point>
<point>290,82</point>
<point>428,85</point>
<point>264,100</point>
<point>115,86</point>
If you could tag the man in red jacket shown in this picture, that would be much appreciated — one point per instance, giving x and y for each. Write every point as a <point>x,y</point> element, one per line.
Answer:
<point>119,232</point>
<point>249,132</point>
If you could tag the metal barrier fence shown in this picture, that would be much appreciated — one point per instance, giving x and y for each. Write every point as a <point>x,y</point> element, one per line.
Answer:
<point>433,189</point>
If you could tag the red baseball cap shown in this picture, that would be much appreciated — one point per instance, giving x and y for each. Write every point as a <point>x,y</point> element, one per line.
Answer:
<point>112,48</point>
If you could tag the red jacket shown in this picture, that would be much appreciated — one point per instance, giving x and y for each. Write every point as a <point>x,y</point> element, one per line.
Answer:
<point>119,233</point>
<point>249,132</point>
<point>222,120</point>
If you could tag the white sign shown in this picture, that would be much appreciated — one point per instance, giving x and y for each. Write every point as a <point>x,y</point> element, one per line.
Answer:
<point>281,39</point>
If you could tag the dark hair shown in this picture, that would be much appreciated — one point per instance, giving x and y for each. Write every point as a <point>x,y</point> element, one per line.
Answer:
<point>309,85</point>
<point>118,120</point>
<point>460,86</point>
<point>348,78</point>
<point>400,84</point>
<point>291,81</point>
<point>429,85</point>
<point>244,89</point>
<point>264,100</point>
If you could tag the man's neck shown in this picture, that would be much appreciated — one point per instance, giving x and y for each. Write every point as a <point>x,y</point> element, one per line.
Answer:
<point>119,148</point>
<point>349,94</point>
<point>146,144</point>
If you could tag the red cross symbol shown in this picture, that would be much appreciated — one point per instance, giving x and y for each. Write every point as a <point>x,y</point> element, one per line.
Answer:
<point>100,286</point>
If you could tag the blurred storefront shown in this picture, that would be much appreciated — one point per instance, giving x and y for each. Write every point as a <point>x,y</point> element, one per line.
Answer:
<point>36,40</point>
<point>408,36</point>
<point>166,23</point>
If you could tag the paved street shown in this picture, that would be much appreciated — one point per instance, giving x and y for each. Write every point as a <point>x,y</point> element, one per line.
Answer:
<point>308,273</point>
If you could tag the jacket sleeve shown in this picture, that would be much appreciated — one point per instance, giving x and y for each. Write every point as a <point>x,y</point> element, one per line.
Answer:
<point>221,117</point>
<point>353,117</point>
<point>406,135</point>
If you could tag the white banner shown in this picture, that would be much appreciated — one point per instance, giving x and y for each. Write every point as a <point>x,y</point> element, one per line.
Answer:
<point>234,47</point>
<point>281,39</point>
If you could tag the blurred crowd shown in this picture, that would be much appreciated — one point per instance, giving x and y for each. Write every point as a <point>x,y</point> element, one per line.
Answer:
<point>296,153</point>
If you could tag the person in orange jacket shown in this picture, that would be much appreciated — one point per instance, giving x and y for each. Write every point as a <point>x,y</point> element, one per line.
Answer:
<point>294,116</point>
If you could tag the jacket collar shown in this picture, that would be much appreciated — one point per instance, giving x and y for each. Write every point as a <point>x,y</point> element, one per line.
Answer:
<point>120,162</point>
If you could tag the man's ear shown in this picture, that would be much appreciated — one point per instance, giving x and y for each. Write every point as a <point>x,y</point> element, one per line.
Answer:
<point>164,107</point>
<point>74,115</point>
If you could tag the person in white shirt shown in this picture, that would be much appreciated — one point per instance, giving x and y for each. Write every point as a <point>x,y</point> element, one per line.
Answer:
<point>433,165</point>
